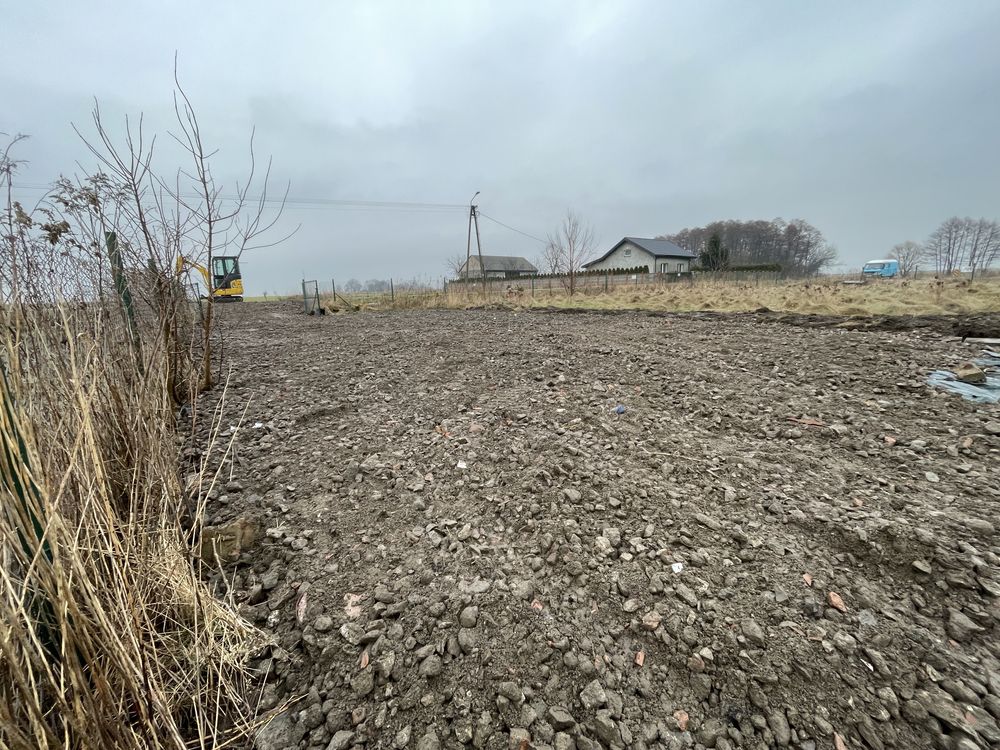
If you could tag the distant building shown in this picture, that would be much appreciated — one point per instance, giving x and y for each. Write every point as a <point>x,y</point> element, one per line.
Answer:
<point>497,267</point>
<point>659,256</point>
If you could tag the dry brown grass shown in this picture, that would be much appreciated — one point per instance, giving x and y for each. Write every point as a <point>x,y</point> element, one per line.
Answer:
<point>109,635</point>
<point>817,296</point>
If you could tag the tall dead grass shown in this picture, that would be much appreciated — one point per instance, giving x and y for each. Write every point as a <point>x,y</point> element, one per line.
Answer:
<point>109,636</point>
<point>812,296</point>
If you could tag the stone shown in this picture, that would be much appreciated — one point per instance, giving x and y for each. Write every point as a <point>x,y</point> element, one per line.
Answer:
<point>710,732</point>
<point>651,620</point>
<point>429,741</point>
<point>992,428</point>
<point>560,718</point>
<point>960,627</point>
<point>402,738</point>
<point>605,729</point>
<point>469,617</point>
<point>753,632</point>
<point>352,632</point>
<point>969,372</point>
<point>686,595</point>
<point>323,623</point>
<point>778,723</point>
<point>512,692</point>
<point>603,546</point>
<point>363,683</point>
<point>845,642</point>
<point>524,589</point>
<point>430,667</point>
<point>573,495</point>
<point>467,640</point>
<point>341,740</point>
<point>519,738</point>
<point>980,526</point>
<point>311,717</point>
<point>593,695</point>
<point>279,733</point>
<point>224,544</point>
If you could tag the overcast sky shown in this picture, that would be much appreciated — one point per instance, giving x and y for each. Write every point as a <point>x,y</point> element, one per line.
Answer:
<point>873,121</point>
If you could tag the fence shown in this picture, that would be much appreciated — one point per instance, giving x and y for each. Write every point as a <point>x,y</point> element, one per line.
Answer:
<point>600,283</point>
<point>315,294</point>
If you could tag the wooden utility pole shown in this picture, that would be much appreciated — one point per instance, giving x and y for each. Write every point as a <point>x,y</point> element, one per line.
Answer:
<point>479,247</point>
<point>468,243</point>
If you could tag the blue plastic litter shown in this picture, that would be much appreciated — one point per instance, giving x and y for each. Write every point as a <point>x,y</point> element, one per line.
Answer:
<point>983,393</point>
<point>619,409</point>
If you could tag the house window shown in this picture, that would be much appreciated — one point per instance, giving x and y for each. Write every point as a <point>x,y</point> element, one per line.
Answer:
<point>680,268</point>
<point>628,252</point>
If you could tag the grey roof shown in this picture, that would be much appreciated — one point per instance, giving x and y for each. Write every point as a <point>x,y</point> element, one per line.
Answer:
<point>504,263</point>
<point>659,248</point>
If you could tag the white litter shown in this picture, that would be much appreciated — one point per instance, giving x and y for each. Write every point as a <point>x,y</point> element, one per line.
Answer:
<point>677,567</point>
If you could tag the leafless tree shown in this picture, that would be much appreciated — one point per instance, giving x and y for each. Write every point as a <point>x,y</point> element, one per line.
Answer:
<point>909,255</point>
<point>570,245</point>
<point>984,244</point>
<point>159,220</point>
<point>550,260</point>
<point>958,244</point>
<point>945,248</point>
<point>455,265</point>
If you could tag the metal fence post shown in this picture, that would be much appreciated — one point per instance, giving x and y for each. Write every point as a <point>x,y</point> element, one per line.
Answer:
<point>305,298</point>
<point>392,293</point>
<point>125,294</point>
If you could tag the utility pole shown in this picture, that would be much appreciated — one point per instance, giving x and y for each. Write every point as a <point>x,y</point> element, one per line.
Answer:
<point>479,247</point>
<point>468,243</point>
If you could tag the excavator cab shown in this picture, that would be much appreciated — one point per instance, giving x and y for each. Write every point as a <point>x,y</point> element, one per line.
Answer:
<point>226,278</point>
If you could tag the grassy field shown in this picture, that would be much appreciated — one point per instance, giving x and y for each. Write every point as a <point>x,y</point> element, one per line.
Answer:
<point>822,296</point>
<point>825,297</point>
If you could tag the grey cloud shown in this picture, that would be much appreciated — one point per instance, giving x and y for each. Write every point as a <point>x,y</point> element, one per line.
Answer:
<point>872,121</point>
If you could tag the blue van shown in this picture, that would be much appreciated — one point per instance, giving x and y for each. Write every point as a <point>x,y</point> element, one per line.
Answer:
<point>884,268</point>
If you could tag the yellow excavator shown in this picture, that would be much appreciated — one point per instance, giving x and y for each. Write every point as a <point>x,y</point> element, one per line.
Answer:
<point>225,281</point>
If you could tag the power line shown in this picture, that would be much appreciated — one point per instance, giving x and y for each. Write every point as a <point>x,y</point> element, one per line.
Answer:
<point>513,229</point>
<point>343,204</point>
<point>317,202</point>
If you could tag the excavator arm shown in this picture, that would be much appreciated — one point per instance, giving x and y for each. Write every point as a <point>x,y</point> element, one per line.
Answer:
<point>184,264</point>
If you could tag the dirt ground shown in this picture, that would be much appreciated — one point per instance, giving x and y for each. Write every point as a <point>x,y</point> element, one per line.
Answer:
<point>523,529</point>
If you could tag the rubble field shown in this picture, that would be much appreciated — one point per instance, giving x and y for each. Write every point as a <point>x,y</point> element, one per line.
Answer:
<point>500,529</point>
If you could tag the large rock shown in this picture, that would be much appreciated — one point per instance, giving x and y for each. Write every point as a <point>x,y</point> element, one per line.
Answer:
<point>969,372</point>
<point>753,632</point>
<point>281,733</point>
<point>224,544</point>
<point>960,627</point>
<point>341,740</point>
<point>593,696</point>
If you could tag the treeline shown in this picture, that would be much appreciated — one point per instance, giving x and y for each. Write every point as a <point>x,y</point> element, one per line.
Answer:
<point>963,244</point>
<point>795,247</point>
<point>957,244</point>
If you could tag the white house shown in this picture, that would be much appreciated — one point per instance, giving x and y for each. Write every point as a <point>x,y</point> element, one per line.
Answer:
<point>659,256</point>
